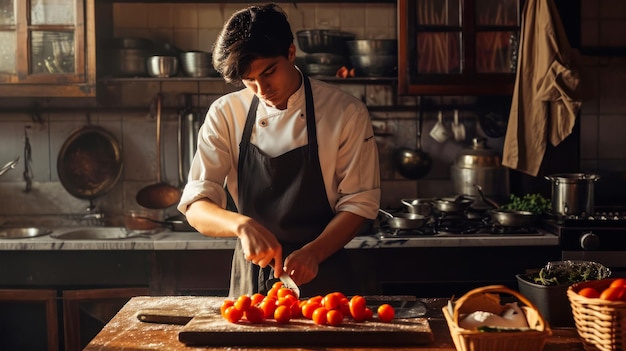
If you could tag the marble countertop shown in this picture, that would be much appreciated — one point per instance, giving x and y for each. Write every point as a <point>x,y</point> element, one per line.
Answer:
<point>168,240</point>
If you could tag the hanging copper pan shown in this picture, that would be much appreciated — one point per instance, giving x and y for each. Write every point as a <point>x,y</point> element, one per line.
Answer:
<point>89,162</point>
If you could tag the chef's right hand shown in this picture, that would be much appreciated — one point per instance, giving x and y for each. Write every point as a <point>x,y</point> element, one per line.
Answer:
<point>260,246</point>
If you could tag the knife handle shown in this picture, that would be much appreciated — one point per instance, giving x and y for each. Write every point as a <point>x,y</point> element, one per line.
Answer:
<point>163,316</point>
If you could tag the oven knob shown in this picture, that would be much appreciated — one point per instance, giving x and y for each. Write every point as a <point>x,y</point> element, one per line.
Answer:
<point>589,241</point>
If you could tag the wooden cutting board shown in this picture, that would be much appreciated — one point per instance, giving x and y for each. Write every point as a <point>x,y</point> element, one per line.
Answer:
<point>210,329</point>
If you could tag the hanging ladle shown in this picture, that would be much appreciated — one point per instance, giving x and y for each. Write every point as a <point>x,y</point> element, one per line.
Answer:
<point>159,195</point>
<point>9,165</point>
<point>413,163</point>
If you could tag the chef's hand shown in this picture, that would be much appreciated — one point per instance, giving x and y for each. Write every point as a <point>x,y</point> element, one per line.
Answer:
<point>259,245</point>
<point>302,266</point>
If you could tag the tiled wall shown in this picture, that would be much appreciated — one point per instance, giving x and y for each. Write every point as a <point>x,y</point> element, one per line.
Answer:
<point>195,26</point>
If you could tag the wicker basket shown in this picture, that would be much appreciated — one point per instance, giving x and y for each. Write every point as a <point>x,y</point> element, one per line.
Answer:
<point>474,340</point>
<point>601,324</point>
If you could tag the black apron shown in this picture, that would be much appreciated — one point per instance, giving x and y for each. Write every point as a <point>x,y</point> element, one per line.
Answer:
<point>286,194</point>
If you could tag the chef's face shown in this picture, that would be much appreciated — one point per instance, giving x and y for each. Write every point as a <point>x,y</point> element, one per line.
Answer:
<point>273,79</point>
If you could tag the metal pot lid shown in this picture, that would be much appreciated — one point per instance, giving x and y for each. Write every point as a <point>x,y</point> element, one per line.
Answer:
<point>478,155</point>
<point>89,162</point>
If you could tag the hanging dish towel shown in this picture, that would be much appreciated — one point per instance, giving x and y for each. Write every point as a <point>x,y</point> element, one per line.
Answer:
<point>546,96</point>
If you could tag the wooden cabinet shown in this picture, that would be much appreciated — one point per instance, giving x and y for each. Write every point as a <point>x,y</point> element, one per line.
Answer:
<point>457,47</point>
<point>47,48</point>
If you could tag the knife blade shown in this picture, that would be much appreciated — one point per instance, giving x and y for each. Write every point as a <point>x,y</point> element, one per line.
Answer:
<point>289,283</point>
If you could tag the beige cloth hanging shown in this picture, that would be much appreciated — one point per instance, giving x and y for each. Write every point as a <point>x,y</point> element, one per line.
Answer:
<point>546,96</point>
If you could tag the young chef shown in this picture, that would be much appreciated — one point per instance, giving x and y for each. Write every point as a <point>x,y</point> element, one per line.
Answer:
<point>297,155</point>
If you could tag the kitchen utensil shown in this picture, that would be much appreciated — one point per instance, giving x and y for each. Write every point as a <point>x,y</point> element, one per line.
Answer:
<point>324,40</point>
<point>138,221</point>
<point>405,220</point>
<point>413,163</point>
<point>289,283</point>
<point>458,128</point>
<point>573,193</point>
<point>128,56</point>
<point>374,65</point>
<point>319,69</point>
<point>480,165</point>
<point>326,58</point>
<point>89,163</point>
<point>373,47</point>
<point>439,132</point>
<point>507,218</point>
<point>159,195</point>
<point>9,165</point>
<point>197,64</point>
<point>484,199</point>
<point>162,66</point>
<point>452,204</point>
<point>419,206</point>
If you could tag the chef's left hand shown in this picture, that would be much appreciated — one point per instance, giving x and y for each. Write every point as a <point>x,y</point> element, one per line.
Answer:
<point>301,265</point>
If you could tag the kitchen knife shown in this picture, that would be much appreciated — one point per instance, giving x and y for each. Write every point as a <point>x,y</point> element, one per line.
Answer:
<point>289,283</point>
<point>164,316</point>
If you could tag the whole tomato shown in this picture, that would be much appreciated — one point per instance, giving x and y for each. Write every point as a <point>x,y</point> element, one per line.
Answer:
<point>334,317</point>
<point>254,315</point>
<point>320,316</point>
<point>386,313</point>
<point>589,292</point>
<point>613,293</point>
<point>243,302</point>
<point>233,314</point>
<point>358,308</point>
<point>619,282</point>
<point>282,314</point>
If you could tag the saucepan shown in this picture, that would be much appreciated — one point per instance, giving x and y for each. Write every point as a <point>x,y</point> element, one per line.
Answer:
<point>422,207</point>
<point>511,218</point>
<point>405,220</point>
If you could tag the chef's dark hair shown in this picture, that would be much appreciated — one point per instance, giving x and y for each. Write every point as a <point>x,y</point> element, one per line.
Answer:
<point>260,31</point>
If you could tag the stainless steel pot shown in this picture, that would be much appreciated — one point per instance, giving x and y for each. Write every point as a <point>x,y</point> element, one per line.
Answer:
<point>573,193</point>
<point>422,207</point>
<point>480,165</point>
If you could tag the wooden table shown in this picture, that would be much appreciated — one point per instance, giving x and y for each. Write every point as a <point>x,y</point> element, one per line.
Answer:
<point>126,332</point>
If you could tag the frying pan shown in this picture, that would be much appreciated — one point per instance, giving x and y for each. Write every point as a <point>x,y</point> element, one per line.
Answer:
<point>413,163</point>
<point>456,204</point>
<point>405,220</point>
<point>89,163</point>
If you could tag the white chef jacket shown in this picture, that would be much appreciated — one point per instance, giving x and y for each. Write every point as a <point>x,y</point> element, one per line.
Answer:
<point>347,149</point>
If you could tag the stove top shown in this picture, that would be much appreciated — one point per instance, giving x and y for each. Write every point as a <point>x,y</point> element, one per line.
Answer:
<point>462,224</point>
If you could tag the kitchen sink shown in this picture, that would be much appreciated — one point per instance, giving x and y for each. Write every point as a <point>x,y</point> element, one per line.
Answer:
<point>99,233</point>
<point>23,233</point>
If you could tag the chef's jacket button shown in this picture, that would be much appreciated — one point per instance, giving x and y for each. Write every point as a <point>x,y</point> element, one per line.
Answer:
<point>263,123</point>
<point>302,115</point>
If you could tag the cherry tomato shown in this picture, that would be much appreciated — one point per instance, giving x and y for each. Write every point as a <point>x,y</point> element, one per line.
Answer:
<point>320,316</point>
<point>273,292</point>
<point>612,293</point>
<point>255,314</point>
<point>619,282</point>
<point>243,302</point>
<point>309,308</point>
<point>357,307</point>
<point>368,314</point>
<point>386,313</point>
<point>331,301</point>
<point>225,304</point>
<point>268,306</point>
<point>277,285</point>
<point>256,299</point>
<point>296,310</point>
<point>317,298</point>
<point>334,317</point>
<point>589,292</point>
<point>282,292</point>
<point>282,314</point>
<point>233,314</point>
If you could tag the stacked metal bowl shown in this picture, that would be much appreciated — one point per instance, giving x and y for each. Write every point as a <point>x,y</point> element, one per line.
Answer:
<point>198,64</point>
<point>326,50</point>
<point>374,57</point>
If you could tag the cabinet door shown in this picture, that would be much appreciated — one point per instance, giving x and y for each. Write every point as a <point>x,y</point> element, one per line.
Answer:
<point>456,47</point>
<point>47,48</point>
